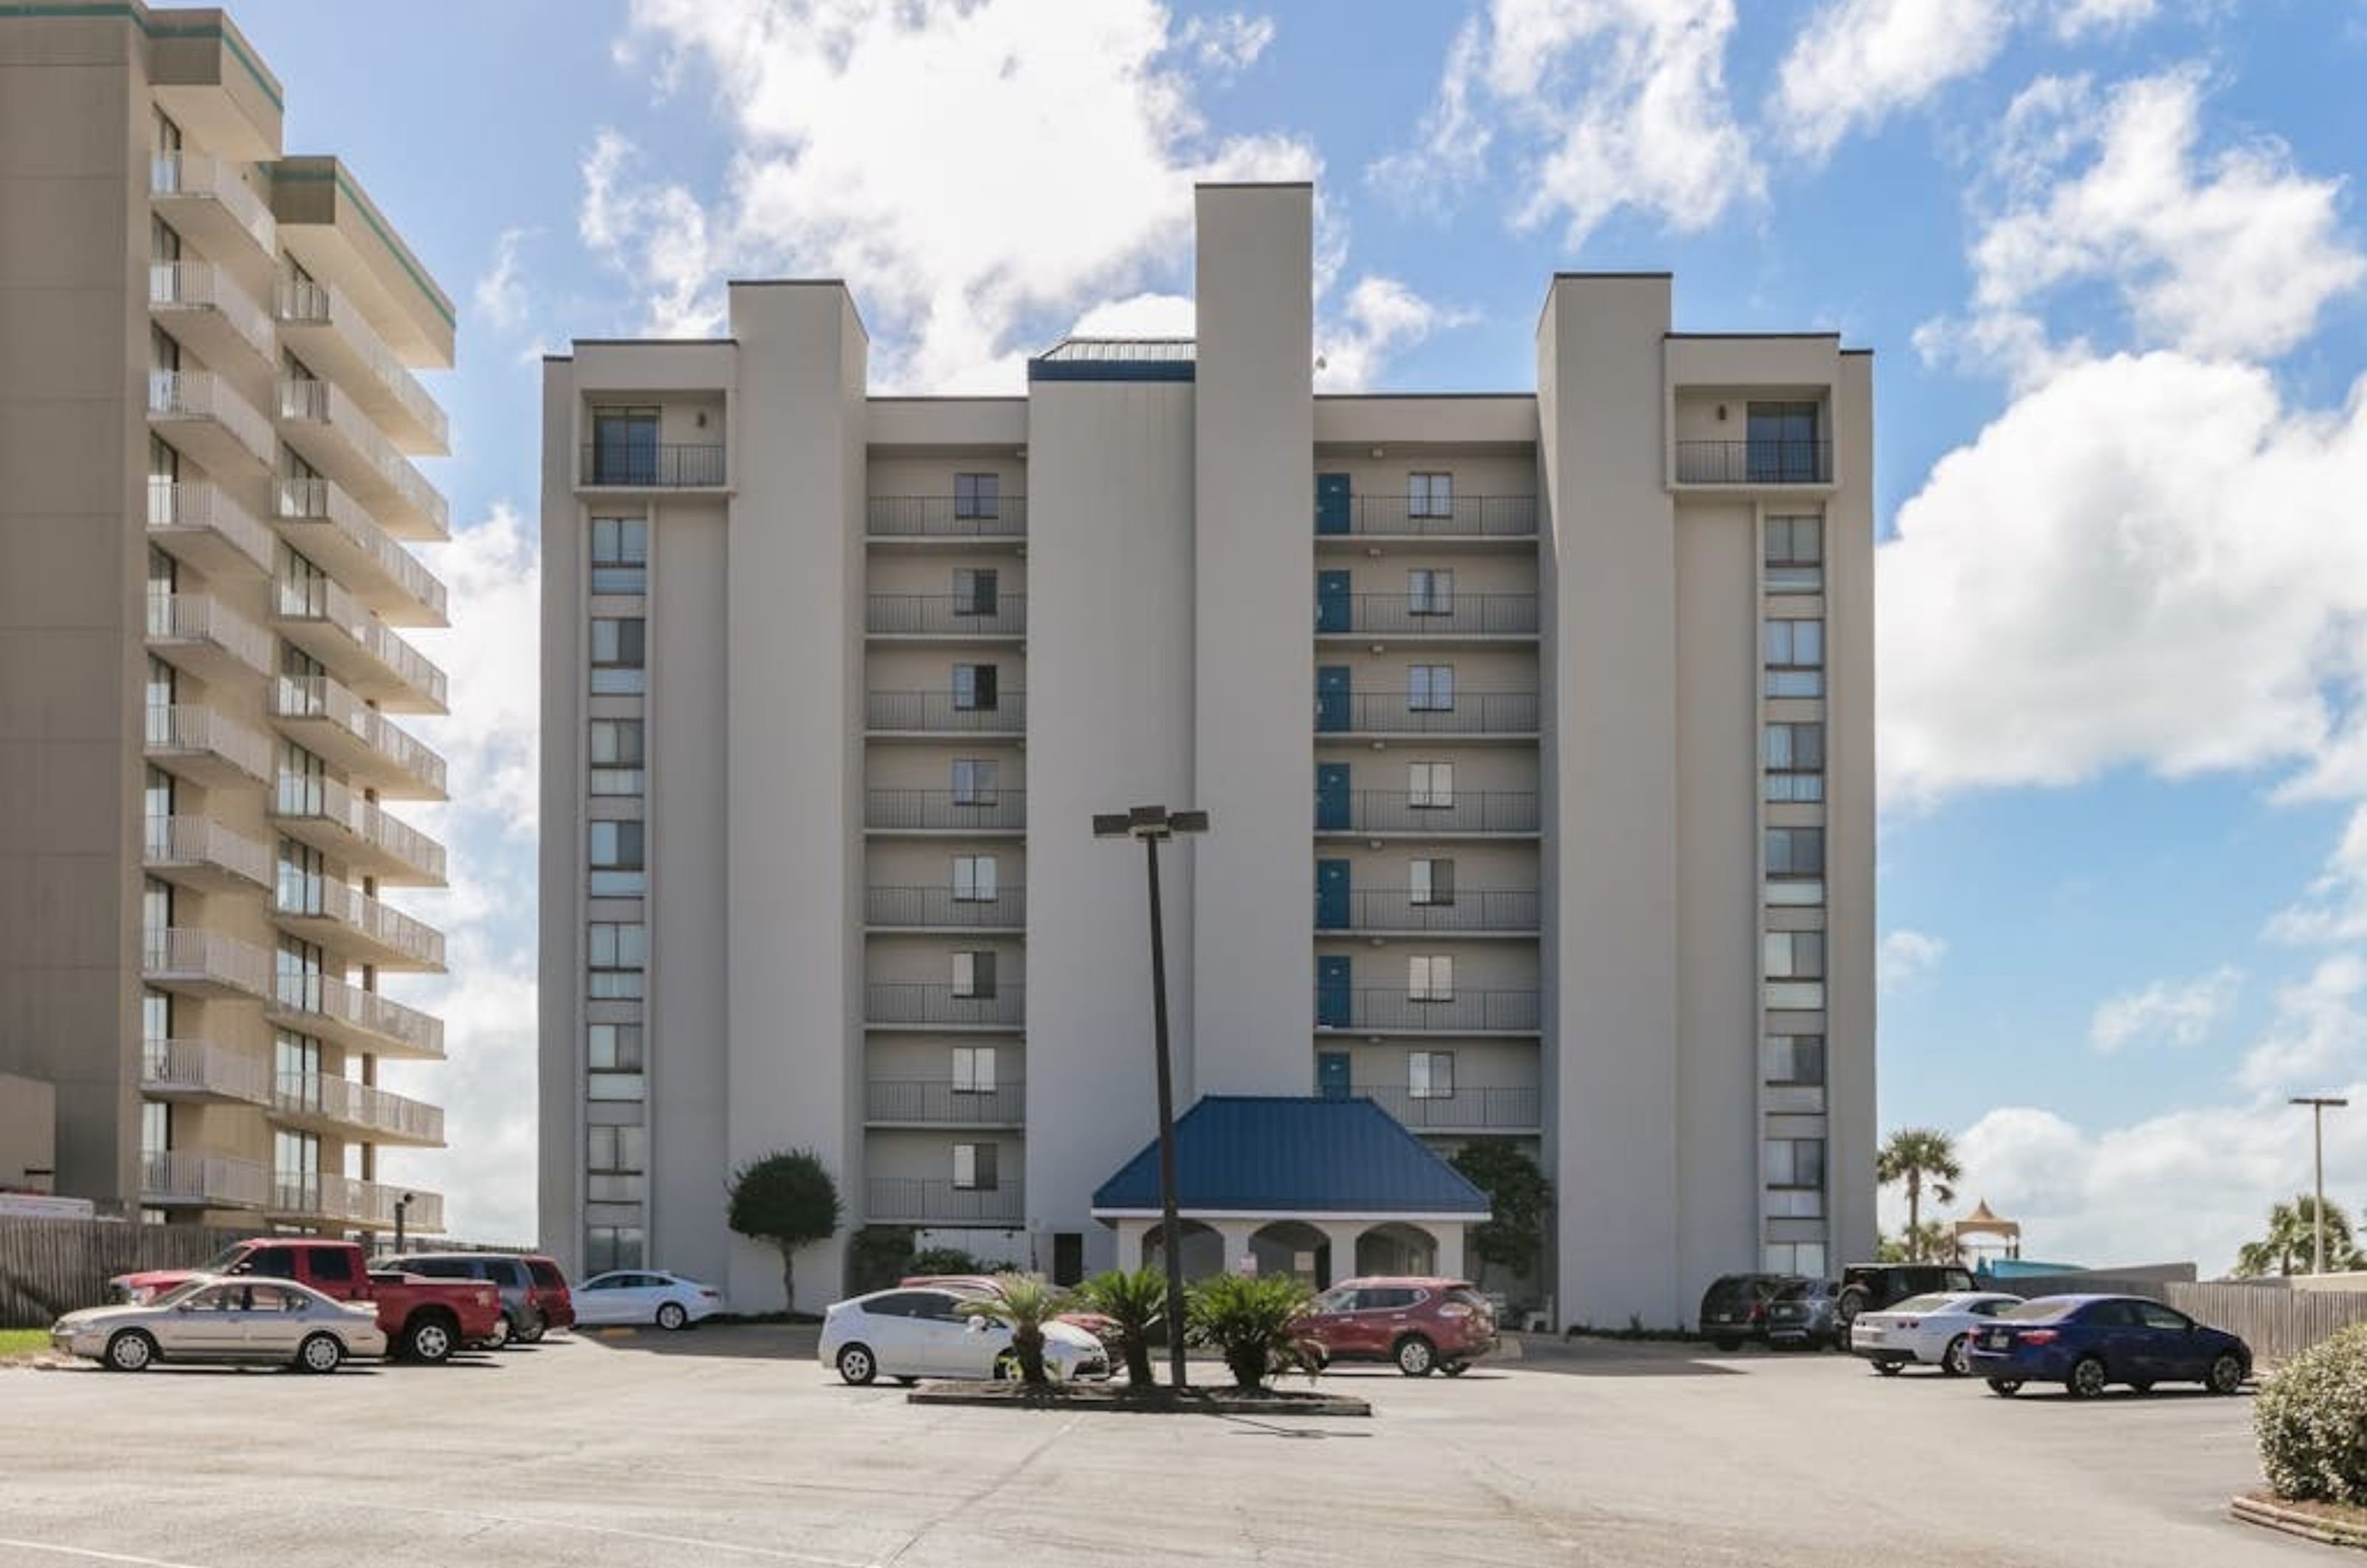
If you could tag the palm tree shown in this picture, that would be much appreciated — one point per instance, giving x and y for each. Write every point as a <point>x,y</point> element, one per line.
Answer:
<point>1026,1303</point>
<point>1135,1303</point>
<point>1916,1155</point>
<point>2290,1245</point>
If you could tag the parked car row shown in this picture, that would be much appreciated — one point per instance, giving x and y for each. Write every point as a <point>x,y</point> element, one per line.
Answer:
<point>2085,1342</point>
<point>1795,1310</point>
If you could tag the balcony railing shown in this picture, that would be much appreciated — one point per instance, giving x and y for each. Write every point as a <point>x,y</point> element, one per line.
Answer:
<point>401,490</point>
<point>187,729</point>
<point>1005,908</point>
<point>202,395</point>
<point>345,1200</point>
<point>355,822</point>
<point>920,1004</point>
<point>893,1199</point>
<point>1405,615</point>
<point>322,1097</point>
<point>1464,516</point>
<point>936,1103</point>
<point>201,286</point>
<point>419,944</point>
<point>388,1026</point>
<point>185,956</point>
<point>201,1067</point>
<point>1464,1110</point>
<point>947,615</point>
<point>1392,713</point>
<point>939,810</point>
<point>945,517</point>
<point>392,661</point>
<point>924,712</point>
<point>193,510</point>
<point>202,177</point>
<point>317,503</point>
<point>1401,811</point>
<point>669,465</point>
<point>201,620</point>
<point>306,303</point>
<point>202,842</point>
<point>309,698</point>
<point>1394,1012</point>
<point>1470,911</point>
<point>1754,462</point>
<point>178,1177</point>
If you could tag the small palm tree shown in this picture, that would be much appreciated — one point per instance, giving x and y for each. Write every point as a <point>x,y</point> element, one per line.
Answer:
<point>1918,1156</point>
<point>1026,1303</point>
<point>1135,1303</point>
<point>1258,1322</point>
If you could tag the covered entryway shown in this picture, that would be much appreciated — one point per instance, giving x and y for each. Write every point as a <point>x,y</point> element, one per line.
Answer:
<point>1398,1248</point>
<point>1204,1249</point>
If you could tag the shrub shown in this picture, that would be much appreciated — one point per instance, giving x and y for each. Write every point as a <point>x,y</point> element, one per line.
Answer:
<point>1258,1322</point>
<point>944,1260</point>
<point>877,1257</point>
<point>1026,1303</point>
<point>2312,1421</point>
<point>1134,1303</point>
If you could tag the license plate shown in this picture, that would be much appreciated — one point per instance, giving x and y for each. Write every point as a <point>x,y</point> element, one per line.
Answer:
<point>1873,1335</point>
<point>1995,1339</point>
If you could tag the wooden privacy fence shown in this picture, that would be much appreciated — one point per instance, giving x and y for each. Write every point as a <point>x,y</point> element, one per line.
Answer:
<point>2277,1322</point>
<point>50,1266</point>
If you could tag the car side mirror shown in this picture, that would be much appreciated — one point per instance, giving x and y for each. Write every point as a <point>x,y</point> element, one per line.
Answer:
<point>977,1325</point>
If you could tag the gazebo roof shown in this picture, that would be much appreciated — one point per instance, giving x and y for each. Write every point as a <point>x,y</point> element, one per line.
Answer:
<point>1981,1219</point>
<point>1259,1153</point>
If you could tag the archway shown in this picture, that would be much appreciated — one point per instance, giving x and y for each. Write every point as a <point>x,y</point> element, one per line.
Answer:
<point>1293,1247</point>
<point>1397,1247</point>
<point>1204,1249</point>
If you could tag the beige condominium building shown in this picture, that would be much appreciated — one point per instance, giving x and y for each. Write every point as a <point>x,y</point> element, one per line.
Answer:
<point>208,423</point>
<point>1535,727</point>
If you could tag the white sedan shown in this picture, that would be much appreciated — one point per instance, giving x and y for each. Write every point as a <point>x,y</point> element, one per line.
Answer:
<point>216,1319</point>
<point>911,1333</point>
<point>644,1295</point>
<point>1934,1330</point>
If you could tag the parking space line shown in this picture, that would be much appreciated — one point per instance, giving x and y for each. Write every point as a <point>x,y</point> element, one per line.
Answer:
<point>93,1555</point>
<point>772,1553</point>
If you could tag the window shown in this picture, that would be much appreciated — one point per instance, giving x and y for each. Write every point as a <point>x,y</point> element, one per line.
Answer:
<point>1430,785</point>
<point>1795,1162</point>
<point>974,974</point>
<point>1796,554</point>
<point>164,580</point>
<point>1429,495</point>
<point>303,683</point>
<point>164,684</point>
<point>978,495</point>
<point>157,797</point>
<point>616,756</point>
<point>1430,592</point>
<point>1795,659</point>
<point>2153,1315</point>
<point>621,554</point>
<point>156,1017</point>
<point>303,782</point>
<point>295,1172</point>
<point>303,881</point>
<point>155,914</point>
<point>625,446</point>
<point>974,879</point>
<point>1430,1075</point>
<point>974,1167</point>
<point>1429,688</point>
<point>296,1063</point>
<point>1796,867</point>
<point>1795,1257</point>
<point>155,1127</point>
<point>614,1160</point>
<point>975,591</point>
<point>617,859</point>
<point>611,1247</point>
<point>1793,1058</point>
<point>1430,977</point>
<point>974,688</point>
<point>613,1053</point>
<point>1783,448</point>
<point>297,969</point>
<point>619,649</point>
<point>1431,881</point>
<point>1795,762</point>
<point>616,954</point>
<point>973,1070</point>
<point>1796,969</point>
<point>974,781</point>
<point>329,1263</point>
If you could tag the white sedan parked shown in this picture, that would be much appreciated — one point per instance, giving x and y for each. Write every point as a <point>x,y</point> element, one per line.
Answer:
<point>913,1333</point>
<point>215,1319</point>
<point>645,1295</point>
<point>1934,1330</point>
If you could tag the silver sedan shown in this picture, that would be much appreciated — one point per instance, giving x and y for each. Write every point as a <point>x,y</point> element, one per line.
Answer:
<point>214,1319</point>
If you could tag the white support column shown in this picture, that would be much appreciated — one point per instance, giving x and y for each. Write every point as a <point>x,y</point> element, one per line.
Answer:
<point>1449,1262</point>
<point>1343,1237</point>
<point>1236,1235</point>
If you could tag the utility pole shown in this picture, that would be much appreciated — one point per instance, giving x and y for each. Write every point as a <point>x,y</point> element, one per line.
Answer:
<point>2317,1104</point>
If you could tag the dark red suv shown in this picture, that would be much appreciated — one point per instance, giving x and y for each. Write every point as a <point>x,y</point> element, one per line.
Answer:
<point>1422,1324</point>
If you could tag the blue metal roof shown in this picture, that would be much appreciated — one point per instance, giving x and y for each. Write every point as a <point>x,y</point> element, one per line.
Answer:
<point>1253,1154</point>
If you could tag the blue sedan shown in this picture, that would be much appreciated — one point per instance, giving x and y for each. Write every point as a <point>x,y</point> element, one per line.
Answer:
<point>2087,1342</point>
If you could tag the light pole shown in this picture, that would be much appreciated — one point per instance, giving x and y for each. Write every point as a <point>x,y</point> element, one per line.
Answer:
<point>1154,825</point>
<point>2317,1104</point>
<point>401,1207</point>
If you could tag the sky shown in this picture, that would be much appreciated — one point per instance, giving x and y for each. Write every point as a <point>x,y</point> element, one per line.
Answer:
<point>2109,254</point>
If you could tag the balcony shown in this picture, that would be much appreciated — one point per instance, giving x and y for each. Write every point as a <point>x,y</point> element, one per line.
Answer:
<point>929,714</point>
<point>331,818</point>
<point>1376,1011</point>
<point>1459,617</point>
<point>197,1069</point>
<point>196,963</point>
<point>942,811</point>
<point>943,909</point>
<point>326,1198</point>
<point>333,722</point>
<point>1507,715</point>
<point>197,633</point>
<point>198,524</point>
<point>1507,517</point>
<point>200,745</point>
<point>334,627</point>
<point>668,466</point>
<point>349,921</point>
<point>912,1200</point>
<point>332,335</point>
<point>333,434</point>
<point>323,1103</point>
<point>207,310</point>
<point>200,853</point>
<point>356,1019</point>
<point>205,199</point>
<point>1382,812</point>
<point>905,518</point>
<point>177,1179</point>
<point>893,1004</point>
<point>1384,911</point>
<point>947,617</point>
<point>1762,462</point>
<point>336,533</point>
<point>936,1103</point>
<point>1464,1110</point>
<point>206,417</point>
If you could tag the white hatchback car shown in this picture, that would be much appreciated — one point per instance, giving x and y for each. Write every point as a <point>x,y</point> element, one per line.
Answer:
<point>215,1319</point>
<point>909,1334</point>
<point>1934,1330</point>
<point>644,1295</point>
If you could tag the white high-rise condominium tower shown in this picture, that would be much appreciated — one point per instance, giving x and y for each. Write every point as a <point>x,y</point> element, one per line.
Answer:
<point>1536,729</point>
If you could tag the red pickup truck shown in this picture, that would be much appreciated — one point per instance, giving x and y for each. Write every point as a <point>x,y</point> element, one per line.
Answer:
<point>424,1319</point>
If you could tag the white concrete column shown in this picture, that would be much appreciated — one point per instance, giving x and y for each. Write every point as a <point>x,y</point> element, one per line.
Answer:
<point>1342,1238</point>
<point>1449,1261</point>
<point>1236,1235</point>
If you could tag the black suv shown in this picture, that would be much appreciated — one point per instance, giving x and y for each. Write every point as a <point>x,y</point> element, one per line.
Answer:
<point>1736,1306</point>
<point>1870,1286</point>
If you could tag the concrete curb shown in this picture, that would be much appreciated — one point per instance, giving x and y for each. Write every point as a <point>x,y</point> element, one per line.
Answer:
<point>2299,1521</point>
<point>1115,1402</point>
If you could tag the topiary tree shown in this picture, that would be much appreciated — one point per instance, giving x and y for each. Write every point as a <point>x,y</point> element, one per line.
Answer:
<point>1520,1196</point>
<point>2311,1419</point>
<point>1257,1322</point>
<point>1026,1303</point>
<point>785,1198</point>
<point>1135,1301</point>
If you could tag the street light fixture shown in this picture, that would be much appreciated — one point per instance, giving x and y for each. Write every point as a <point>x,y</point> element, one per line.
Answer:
<point>401,1208</point>
<point>1154,825</point>
<point>2317,1104</point>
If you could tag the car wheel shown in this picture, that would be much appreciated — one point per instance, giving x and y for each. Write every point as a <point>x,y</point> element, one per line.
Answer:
<point>1957,1359</point>
<point>1845,1312</point>
<point>1006,1367</point>
<point>2227,1373</point>
<point>429,1340</point>
<point>531,1331</point>
<point>2005,1388</point>
<point>319,1353</point>
<point>1728,1346</point>
<point>1888,1369</point>
<point>672,1316</point>
<point>2088,1378</point>
<point>501,1336</point>
<point>1454,1369</point>
<point>131,1351</point>
<point>857,1365</point>
<point>1417,1356</point>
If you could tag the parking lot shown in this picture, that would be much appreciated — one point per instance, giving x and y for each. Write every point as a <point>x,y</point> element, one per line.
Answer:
<point>732,1446</point>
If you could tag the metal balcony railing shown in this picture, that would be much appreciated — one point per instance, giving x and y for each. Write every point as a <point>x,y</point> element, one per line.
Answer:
<point>201,840</point>
<point>924,1200</point>
<point>1463,516</point>
<point>300,698</point>
<point>193,506</point>
<point>322,898</point>
<point>920,1003</point>
<point>1393,1011</point>
<point>201,286</point>
<point>1406,615</point>
<point>357,1105</point>
<point>1461,1110</point>
<point>923,713</point>
<point>1470,910</point>
<point>947,615</point>
<point>1392,713</point>
<point>939,810</point>
<point>1005,908</point>
<point>184,729</point>
<point>327,604</point>
<point>936,1103</point>
<point>191,955</point>
<point>347,1200</point>
<point>319,502</point>
<point>199,1066</point>
<point>200,394</point>
<point>1401,811</point>
<point>305,303</point>
<point>394,1027</point>
<point>668,466</point>
<point>307,401</point>
<point>1764,462</point>
<point>202,618</point>
<point>179,1177</point>
<point>203,176</point>
<point>304,799</point>
<point>945,517</point>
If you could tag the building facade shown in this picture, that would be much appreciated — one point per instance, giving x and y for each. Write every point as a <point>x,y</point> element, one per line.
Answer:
<point>206,349</point>
<point>1535,730</point>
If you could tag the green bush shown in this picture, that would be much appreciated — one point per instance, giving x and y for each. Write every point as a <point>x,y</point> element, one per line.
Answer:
<point>1257,1322</point>
<point>946,1261</point>
<point>877,1257</point>
<point>2312,1421</point>
<point>1025,1303</point>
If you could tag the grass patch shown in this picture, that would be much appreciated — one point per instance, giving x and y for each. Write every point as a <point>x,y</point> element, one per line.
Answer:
<point>17,1342</point>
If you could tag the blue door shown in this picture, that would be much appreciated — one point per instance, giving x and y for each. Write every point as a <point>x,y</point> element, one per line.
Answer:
<point>1331,991</point>
<point>1335,612</point>
<point>1330,698</point>
<point>1331,503</point>
<point>1331,811</point>
<point>1331,1074</point>
<point>1331,895</point>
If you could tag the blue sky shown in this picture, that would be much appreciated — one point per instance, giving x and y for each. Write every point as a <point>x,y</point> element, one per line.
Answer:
<point>2110,255</point>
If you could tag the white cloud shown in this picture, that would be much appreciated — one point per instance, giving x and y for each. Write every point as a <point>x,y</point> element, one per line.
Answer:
<point>1379,318</point>
<point>658,235</point>
<point>1906,956</point>
<point>1226,43</point>
<point>501,294</point>
<point>2165,1012</point>
<point>2335,907</point>
<point>2320,1032</point>
<point>1857,61</point>
<point>1140,315</point>
<point>2074,19</point>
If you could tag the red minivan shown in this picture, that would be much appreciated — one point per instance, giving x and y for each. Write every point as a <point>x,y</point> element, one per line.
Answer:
<point>1422,1324</point>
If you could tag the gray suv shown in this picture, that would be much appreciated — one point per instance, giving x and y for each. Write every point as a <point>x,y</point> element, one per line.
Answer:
<point>522,1320</point>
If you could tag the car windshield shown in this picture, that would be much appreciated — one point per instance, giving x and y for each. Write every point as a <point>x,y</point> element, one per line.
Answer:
<point>219,1263</point>
<point>2041,1309</point>
<point>181,1292</point>
<point>1923,1303</point>
<point>1739,1287</point>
